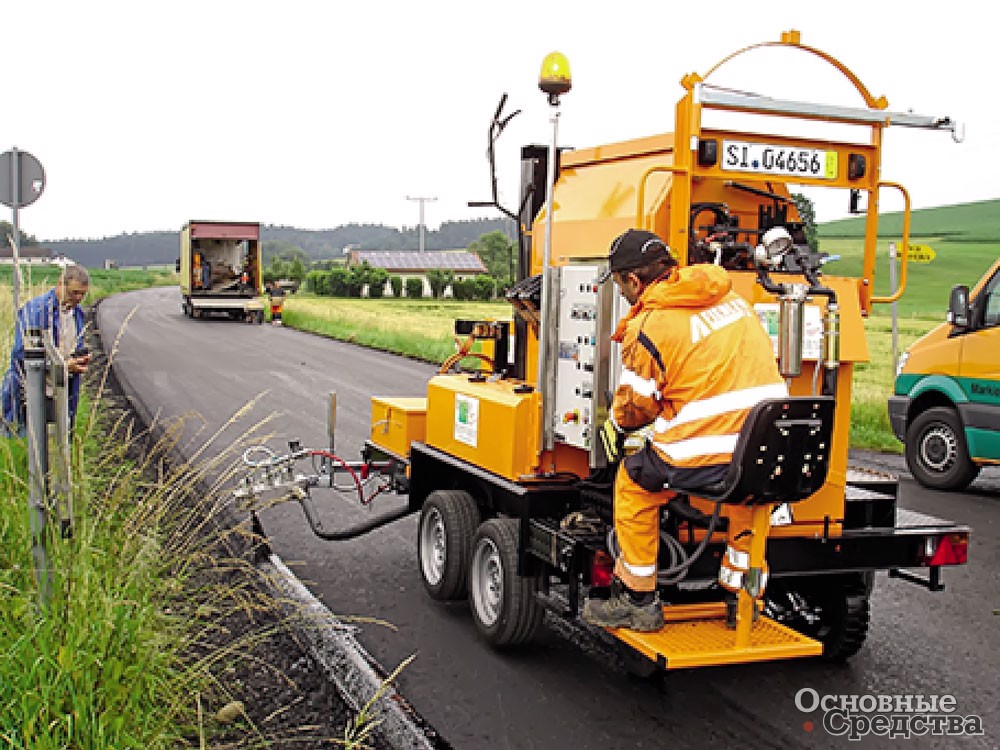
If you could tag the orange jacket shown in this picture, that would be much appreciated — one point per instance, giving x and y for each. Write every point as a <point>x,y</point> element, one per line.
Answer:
<point>695,359</point>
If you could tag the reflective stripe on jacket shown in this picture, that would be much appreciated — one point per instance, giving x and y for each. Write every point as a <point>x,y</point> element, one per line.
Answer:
<point>695,360</point>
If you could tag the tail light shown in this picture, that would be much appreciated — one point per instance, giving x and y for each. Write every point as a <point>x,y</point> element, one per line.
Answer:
<point>602,569</point>
<point>945,549</point>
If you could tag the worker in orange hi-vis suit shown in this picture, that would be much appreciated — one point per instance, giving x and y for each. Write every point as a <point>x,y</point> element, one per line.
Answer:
<point>695,360</point>
<point>277,298</point>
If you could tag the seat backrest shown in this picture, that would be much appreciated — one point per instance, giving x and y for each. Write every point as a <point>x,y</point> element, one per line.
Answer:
<point>782,454</point>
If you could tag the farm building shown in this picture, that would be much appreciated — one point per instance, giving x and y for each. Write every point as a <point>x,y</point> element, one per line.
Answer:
<point>416,264</point>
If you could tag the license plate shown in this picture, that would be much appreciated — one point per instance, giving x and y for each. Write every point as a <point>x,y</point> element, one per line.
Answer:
<point>744,156</point>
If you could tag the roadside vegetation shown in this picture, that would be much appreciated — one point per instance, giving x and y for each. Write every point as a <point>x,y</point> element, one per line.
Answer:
<point>100,664</point>
<point>139,643</point>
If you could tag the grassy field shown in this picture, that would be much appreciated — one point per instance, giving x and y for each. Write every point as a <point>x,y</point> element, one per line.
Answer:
<point>928,284</point>
<point>965,222</point>
<point>422,329</point>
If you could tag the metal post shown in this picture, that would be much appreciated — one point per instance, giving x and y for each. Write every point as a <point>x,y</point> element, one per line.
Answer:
<point>421,201</point>
<point>60,485</point>
<point>38,458</point>
<point>895,321</point>
<point>546,372</point>
<point>15,191</point>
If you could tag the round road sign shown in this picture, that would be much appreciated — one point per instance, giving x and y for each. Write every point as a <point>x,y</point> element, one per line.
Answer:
<point>22,179</point>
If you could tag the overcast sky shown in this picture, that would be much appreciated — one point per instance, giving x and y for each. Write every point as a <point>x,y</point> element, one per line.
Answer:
<point>316,114</point>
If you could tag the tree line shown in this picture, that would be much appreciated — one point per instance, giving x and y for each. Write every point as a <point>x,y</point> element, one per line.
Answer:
<point>161,247</point>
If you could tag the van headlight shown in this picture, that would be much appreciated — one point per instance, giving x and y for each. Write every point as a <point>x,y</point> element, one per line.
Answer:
<point>902,362</point>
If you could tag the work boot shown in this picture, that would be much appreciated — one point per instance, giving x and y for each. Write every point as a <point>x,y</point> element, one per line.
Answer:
<point>625,609</point>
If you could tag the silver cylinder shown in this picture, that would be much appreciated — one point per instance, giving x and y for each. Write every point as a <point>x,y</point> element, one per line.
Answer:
<point>791,327</point>
<point>831,336</point>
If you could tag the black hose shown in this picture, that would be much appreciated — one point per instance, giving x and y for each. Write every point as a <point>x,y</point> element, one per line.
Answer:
<point>699,549</point>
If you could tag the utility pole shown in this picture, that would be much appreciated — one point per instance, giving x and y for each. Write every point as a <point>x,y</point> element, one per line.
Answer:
<point>421,201</point>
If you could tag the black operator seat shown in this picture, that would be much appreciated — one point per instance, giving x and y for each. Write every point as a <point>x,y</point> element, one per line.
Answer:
<point>782,454</point>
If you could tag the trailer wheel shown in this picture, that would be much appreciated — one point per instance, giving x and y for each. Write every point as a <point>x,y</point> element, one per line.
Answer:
<point>447,526</point>
<point>833,610</point>
<point>504,604</point>
<point>936,452</point>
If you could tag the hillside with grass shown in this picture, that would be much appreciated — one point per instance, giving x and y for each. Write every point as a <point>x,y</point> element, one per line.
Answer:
<point>964,222</point>
<point>964,238</point>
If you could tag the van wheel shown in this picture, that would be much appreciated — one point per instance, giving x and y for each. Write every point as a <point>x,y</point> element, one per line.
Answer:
<point>504,604</point>
<point>936,452</point>
<point>447,526</point>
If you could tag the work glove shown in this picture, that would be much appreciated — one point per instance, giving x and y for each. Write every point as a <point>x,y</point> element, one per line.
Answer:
<point>612,440</point>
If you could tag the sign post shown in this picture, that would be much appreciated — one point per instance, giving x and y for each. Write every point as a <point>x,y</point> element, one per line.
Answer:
<point>22,181</point>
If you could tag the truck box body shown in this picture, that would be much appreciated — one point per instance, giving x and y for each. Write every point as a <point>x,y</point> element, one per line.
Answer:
<point>220,269</point>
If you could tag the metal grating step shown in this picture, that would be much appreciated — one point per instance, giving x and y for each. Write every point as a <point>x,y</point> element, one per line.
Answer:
<point>698,637</point>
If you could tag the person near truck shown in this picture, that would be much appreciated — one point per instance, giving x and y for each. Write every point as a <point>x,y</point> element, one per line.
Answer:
<point>695,360</point>
<point>57,310</point>
<point>276,295</point>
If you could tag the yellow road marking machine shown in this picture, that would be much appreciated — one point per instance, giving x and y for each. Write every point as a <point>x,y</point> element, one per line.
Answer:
<point>502,462</point>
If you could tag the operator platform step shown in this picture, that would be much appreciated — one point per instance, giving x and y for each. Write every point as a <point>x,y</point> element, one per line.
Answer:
<point>696,635</point>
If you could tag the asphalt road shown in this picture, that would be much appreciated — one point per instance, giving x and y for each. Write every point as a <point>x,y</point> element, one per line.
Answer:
<point>565,691</point>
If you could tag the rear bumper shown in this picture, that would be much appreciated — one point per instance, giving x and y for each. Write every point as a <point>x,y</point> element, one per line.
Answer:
<point>227,303</point>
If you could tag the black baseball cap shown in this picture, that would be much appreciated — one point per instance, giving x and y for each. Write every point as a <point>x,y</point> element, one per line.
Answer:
<point>634,249</point>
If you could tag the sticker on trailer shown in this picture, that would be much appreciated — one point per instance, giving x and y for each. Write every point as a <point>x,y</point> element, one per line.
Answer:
<point>812,327</point>
<point>467,420</point>
<point>789,161</point>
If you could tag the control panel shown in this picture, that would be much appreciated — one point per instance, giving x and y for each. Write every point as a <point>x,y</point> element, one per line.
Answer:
<point>581,376</point>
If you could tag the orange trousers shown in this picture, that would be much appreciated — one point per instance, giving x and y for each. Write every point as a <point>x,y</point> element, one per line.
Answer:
<point>637,526</point>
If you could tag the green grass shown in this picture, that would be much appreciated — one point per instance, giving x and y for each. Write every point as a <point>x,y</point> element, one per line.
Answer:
<point>928,284</point>
<point>421,329</point>
<point>965,222</point>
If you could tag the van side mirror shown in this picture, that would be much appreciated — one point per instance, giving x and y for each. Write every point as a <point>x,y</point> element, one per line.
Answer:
<point>958,306</point>
<point>177,265</point>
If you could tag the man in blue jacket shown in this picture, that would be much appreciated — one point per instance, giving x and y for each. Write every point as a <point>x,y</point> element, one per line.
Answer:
<point>59,311</point>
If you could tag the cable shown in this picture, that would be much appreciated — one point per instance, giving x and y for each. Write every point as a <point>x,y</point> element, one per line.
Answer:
<point>680,561</point>
<point>268,461</point>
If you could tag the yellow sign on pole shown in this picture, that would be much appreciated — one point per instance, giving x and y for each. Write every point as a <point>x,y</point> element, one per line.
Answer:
<point>920,254</point>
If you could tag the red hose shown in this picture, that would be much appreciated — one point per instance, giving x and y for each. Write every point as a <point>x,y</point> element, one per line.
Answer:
<point>354,476</point>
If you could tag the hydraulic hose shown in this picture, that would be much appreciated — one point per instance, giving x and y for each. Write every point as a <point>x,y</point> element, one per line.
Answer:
<point>312,517</point>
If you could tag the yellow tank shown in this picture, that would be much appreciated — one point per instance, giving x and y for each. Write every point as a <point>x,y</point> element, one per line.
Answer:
<point>489,424</point>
